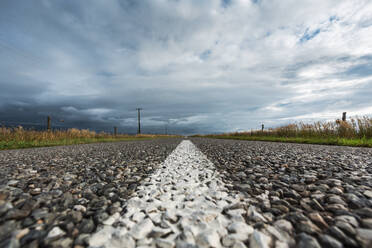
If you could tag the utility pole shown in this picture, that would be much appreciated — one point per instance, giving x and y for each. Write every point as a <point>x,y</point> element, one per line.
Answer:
<point>263,126</point>
<point>139,120</point>
<point>166,127</point>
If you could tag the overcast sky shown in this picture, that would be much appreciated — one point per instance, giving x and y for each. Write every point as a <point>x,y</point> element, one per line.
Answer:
<point>194,66</point>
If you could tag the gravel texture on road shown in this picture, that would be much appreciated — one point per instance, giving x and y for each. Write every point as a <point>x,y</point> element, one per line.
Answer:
<point>139,194</point>
<point>297,194</point>
<point>184,204</point>
<point>57,196</point>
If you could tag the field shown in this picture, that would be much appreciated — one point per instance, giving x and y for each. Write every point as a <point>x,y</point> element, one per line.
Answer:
<point>354,132</point>
<point>14,138</point>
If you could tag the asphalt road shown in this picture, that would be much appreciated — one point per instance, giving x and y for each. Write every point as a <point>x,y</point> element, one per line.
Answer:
<point>321,195</point>
<point>227,194</point>
<point>73,188</point>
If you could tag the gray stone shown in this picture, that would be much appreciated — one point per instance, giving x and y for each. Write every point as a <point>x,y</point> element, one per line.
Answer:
<point>364,212</point>
<point>100,217</point>
<point>259,240</point>
<point>334,182</point>
<point>318,219</point>
<point>336,199</point>
<point>21,233</point>
<point>244,187</point>
<point>39,213</point>
<point>87,226</point>
<point>329,241</point>
<point>10,243</point>
<point>138,217</point>
<point>364,236</point>
<point>12,183</point>
<point>228,240</point>
<point>127,241</point>
<point>254,215</point>
<point>111,219</point>
<point>368,193</point>
<point>308,227</point>
<point>55,233</point>
<point>280,244</point>
<point>142,229</point>
<point>16,214</point>
<point>236,214</point>
<point>316,205</point>
<point>336,190</point>
<point>241,174</point>
<point>340,235</point>
<point>158,232</point>
<point>284,225</point>
<point>239,244</point>
<point>76,216</point>
<point>240,227</point>
<point>164,243</point>
<point>80,208</point>
<point>346,227</point>
<point>208,238</point>
<point>5,207</point>
<point>280,235</point>
<point>170,215</point>
<point>82,239</point>
<point>62,243</point>
<point>186,235</point>
<point>184,244</point>
<point>145,242</point>
<point>354,200</point>
<point>348,219</point>
<point>367,223</point>
<point>307,241</point>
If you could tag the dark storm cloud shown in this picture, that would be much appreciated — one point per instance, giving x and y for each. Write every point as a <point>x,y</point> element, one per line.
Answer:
<point>193,66</point>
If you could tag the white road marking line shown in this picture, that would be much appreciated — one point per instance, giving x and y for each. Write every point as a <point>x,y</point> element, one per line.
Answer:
<point>181,204</point>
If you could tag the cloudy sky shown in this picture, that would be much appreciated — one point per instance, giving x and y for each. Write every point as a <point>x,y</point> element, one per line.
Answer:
<point>193,66</point>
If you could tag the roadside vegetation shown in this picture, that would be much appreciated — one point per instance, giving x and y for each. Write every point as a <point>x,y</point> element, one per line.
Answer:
<point>353,132</point>
<point>14,138</point>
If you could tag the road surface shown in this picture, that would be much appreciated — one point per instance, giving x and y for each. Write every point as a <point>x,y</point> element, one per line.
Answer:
<point>186,193</point>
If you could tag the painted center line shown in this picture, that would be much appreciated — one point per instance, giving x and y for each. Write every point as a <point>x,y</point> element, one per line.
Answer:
<point>184,204</point>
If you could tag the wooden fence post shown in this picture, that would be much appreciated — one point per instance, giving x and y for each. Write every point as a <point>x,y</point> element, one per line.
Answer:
<point>49,123</point>
<point>344,116</point>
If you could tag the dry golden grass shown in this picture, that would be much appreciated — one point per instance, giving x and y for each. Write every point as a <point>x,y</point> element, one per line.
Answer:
<point>354,132</point>
<point>21,138</point>
<point>355,128</point>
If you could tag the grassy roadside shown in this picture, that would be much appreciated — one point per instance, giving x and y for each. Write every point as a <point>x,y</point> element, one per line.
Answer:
<point>352,132</point>
<point>321,141</point>
<point>16,138</point>
<point>19,144</point>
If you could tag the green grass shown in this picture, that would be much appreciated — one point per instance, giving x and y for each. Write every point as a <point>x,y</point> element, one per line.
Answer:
<point>363,142</point>
<point>18,144</point>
